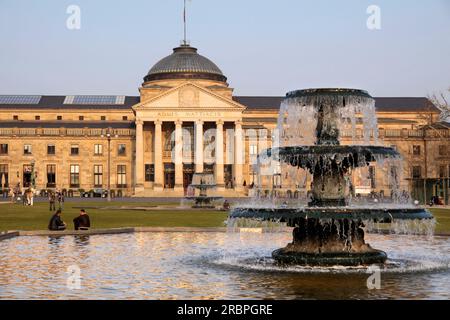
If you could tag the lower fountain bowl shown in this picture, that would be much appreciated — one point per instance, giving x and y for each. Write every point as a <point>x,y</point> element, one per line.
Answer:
<point>329,259</point>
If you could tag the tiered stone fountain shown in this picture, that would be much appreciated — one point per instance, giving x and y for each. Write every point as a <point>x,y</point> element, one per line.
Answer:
<point>327,231</point>
<point>203,182</point>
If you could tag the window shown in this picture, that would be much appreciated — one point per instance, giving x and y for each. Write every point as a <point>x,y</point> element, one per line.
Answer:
<point>149,173</point>
<point>121,176</point>
<point>416,150</point>
<point>394,177</point>
<point>442,172</point>
<point>98,149</point>
<point>81,118</point>
<point>253,150</point>
<point>51,176</point>
<point>442,150</point>
<point>4,175</point>
<point>125,118</point>
<point>102,118</point>
<point>59,118</point>
<point>51,149</point>
<point>98,176</point>
<point>74,176</point>
<point>3,148</point>
<point>372,177</point>
<point>37,118</point>
<point>15,118</point>
<point>417,172</point>
<point>74,150</point>
<point>27,149</point>
<point>122,150</point>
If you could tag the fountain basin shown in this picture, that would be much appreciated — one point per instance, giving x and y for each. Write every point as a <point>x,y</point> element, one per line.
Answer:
<point>307,157</point>
<point>329,258</point>
<point>326,213</point>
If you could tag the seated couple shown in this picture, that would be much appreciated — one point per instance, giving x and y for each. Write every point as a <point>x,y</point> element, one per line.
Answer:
<point>82,222</point>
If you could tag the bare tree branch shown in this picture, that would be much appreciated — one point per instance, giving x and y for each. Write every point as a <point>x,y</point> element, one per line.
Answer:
<point>442,103</point>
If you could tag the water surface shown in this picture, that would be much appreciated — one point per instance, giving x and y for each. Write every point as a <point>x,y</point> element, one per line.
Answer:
<point>211,266</point>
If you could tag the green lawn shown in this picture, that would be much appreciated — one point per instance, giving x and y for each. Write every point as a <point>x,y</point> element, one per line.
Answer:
<point>18,217</point>
<point>443,220</point>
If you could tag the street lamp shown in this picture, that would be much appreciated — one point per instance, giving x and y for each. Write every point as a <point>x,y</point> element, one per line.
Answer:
<point>109,137</point>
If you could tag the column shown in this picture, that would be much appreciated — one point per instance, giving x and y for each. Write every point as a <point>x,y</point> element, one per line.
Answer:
<point>159,168</point>
<point>178,155</point>
<point>239,156</point>
<point>139,187</point>
<point>219,155</point>
<point>199,146</point>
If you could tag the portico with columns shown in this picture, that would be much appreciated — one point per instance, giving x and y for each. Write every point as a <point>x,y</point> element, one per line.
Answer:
<point>185,130</point>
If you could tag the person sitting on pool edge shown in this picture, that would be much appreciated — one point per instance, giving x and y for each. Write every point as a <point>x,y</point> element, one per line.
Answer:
<point>82,222</point>
<point>56,223</point>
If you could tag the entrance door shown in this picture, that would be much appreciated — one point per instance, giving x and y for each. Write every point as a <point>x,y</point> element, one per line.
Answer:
<point>27,176</point>
<point>228,176</point>
<point>169,176</point>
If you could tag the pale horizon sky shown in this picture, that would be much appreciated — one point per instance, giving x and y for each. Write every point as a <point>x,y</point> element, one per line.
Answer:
<point>263,47</point>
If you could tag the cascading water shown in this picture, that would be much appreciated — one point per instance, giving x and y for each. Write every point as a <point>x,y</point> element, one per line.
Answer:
<point>331,135</point>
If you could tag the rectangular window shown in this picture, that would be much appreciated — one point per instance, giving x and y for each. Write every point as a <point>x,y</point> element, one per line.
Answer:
<point>125,118</point>
<point>442,150</point>
<point>122,150</point>
<point>59,118</point>
<point>27,150</point>
<point>74,150</point>
<point>149,173</point>
<point>372,177</point>
<point>4,175</point>
<point>253,150</point>
<point>98,149</point>
<point>416,150</point>
<point>15,118</point>
<point>74,176</point>
<point>3,149</point>
<point>103,118</point>
<point>51,176</point>
<point>51,149</point>
<point>417,172</point>
<point>121,176</point>
<point>394,178</point>
<point>81,118</point>
<point>98,176</point>
<point>37,118</point>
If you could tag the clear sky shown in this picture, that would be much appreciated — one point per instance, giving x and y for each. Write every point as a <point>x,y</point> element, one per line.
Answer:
<point>263,47</point>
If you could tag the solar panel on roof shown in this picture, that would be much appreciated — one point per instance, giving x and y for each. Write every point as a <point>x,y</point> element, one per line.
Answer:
<point>95,100</point>
<point>20,99</point>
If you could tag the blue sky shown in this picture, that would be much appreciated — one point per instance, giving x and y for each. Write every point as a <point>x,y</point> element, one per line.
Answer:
<point>263,47</point>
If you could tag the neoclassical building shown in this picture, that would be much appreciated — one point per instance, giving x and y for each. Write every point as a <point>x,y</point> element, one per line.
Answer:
<point>186,120</point>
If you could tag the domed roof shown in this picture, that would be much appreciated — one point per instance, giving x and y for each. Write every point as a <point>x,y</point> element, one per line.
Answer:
<point>185,63</point>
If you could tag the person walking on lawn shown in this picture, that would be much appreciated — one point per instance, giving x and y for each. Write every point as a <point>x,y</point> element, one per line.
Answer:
<point>52,200</point>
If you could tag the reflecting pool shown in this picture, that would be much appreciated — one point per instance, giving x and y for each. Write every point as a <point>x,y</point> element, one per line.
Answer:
<point>211,266</point>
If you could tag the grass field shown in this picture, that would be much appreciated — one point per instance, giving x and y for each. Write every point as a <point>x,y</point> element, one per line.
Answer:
<point>18,217</point>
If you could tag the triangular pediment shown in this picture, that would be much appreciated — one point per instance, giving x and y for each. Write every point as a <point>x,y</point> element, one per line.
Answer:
<point>189,96</point>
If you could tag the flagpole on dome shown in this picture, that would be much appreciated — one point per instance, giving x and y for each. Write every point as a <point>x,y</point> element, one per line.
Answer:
<point>185,41</point>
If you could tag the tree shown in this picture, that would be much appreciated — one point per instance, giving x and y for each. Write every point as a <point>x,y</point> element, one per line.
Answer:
<point>441,101</point>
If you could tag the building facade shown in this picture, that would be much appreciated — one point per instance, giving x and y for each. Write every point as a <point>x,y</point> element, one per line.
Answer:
<point>186,120</point>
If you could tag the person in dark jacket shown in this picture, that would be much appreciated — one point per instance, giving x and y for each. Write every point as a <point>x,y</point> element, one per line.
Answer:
<point>56,223</point>
<point>82,222</point>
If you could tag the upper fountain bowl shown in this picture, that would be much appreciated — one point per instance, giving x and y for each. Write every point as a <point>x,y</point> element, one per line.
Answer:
<point>328,92</point>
